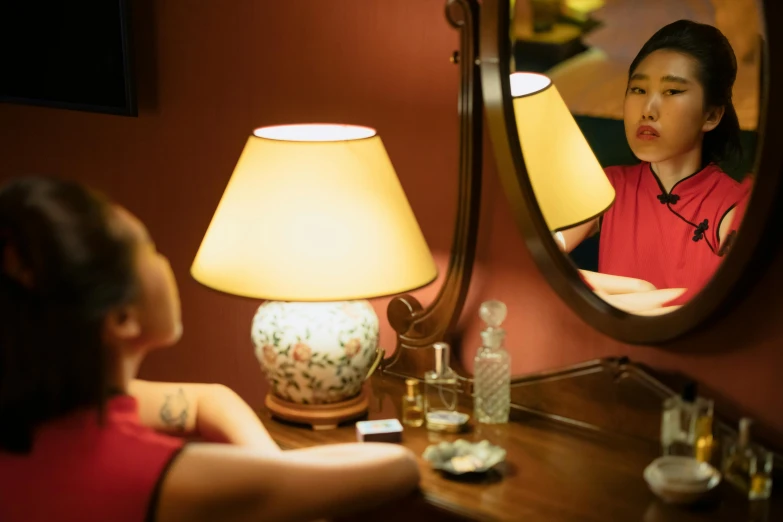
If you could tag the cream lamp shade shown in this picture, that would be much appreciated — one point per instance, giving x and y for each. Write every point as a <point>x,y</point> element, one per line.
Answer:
<point>314,213</point>
<point>314,220</point>
<point>570,185</point>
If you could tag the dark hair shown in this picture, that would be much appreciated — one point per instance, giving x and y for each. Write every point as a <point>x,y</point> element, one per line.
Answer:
<point>716,72</point>
<point>64,264</point>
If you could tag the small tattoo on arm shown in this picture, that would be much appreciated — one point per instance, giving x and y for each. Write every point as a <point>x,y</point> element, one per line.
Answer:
<point>174,411</point>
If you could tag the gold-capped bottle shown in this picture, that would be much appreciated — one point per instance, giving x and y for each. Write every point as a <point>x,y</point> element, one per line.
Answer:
<point>412,404</point>
<point>704,450</point>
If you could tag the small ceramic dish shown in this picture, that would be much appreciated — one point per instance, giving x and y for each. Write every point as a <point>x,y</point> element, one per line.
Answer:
<point>450,421</point>
<point>681,480</point>
<point>460,457</point>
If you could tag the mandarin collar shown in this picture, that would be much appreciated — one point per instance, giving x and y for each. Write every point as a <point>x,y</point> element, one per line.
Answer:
<point>686,186</point>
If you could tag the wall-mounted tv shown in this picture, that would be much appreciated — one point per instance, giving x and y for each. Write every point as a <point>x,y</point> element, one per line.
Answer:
<point>71,55</point>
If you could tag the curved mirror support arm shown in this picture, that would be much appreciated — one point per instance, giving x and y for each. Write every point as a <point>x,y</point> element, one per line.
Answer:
<point>416,326</point>
<point>750,252</point>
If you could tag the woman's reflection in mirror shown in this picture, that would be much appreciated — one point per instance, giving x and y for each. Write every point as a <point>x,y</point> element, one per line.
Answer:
<point>665,235</point>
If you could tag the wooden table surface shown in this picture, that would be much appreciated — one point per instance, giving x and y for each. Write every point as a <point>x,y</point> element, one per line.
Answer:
<point>553,472</point>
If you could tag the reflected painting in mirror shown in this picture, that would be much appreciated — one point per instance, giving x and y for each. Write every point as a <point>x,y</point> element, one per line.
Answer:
<point>638,121</point>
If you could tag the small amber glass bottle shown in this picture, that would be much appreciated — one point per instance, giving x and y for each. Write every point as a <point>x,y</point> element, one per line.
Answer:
<point>412,405</point>
<point>704,450</point>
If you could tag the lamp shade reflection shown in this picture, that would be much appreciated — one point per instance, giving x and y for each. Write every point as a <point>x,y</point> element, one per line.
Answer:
<point>569,183</point>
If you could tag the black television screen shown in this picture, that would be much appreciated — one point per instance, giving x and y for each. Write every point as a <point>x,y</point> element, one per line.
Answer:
<point>73,55</point>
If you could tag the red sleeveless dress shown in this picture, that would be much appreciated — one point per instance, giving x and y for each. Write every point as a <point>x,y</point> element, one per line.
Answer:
<point>669,239</point>
<point>81,471</point>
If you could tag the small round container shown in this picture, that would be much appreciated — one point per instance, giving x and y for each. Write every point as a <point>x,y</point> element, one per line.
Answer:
<point>448,421</point>
<point>681,480</point>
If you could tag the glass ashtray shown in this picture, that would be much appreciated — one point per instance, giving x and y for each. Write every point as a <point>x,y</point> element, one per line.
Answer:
<point>460,457</point>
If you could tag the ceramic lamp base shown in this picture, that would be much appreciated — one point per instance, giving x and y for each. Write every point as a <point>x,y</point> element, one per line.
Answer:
<point>316,353</point>
<point>318,416</point>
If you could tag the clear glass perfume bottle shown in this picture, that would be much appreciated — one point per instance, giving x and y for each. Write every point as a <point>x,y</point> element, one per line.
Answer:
<point>440,384</point>
<point>492,377</point>
<point>748,466</point>
<point>684,420</point>
<point>738,457</point>
<point>412,405</point>
<point>761,474</point>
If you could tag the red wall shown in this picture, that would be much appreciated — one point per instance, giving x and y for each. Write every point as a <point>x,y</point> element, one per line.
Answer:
<point>209,72</point>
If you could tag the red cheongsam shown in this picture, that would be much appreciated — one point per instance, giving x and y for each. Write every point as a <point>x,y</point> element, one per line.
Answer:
<point>669,239</point>
<point>82,471</point>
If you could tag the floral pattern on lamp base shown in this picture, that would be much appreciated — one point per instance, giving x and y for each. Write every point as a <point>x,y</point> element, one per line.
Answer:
<point>315,353</point>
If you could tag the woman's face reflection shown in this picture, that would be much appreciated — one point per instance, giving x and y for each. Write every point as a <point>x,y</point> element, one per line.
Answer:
<point>664,110</point>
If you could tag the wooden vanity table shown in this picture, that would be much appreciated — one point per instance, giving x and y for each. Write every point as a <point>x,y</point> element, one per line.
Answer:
<point>553,472</point>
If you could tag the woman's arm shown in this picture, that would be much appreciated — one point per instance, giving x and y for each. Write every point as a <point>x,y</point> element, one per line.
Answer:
<point>211,483</point>
<point>212,412</point>
<point>570,238</point>
<point>644,303</point>
<point>727,224</point>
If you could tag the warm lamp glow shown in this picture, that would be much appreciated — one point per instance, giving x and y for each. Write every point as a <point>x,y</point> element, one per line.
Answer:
<point>314,213</point>
<point>315,132</point>
<point>569,183</point>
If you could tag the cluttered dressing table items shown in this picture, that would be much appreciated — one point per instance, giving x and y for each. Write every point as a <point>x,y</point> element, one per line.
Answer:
<point>577,445</point>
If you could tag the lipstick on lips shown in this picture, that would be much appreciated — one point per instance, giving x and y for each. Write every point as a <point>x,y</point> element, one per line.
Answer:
<point>645,132</point>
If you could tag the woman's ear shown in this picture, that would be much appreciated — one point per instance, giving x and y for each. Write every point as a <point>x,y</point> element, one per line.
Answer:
<point>713,117</point>
<point>122,325</point>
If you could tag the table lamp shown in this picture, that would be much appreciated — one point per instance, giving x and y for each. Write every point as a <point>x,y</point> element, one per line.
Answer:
<point>570,185</point>
<point>315,221</point>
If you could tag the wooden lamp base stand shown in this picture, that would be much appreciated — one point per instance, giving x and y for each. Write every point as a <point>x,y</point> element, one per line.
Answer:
<point>318,416</point>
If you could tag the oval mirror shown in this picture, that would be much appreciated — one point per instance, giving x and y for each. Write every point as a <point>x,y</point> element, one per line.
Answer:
<point>629,137</point>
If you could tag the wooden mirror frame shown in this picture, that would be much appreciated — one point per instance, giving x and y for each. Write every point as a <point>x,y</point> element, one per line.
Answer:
<point>417,327</point>
<point>749,253</point>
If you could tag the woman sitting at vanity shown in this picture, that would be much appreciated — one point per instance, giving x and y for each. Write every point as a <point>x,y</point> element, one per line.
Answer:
<point>672,211</point>
<point>85,297</point>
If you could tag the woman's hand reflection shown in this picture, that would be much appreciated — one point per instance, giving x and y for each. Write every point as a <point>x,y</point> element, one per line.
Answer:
<point>632,295</point>
<point>613,284</point>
